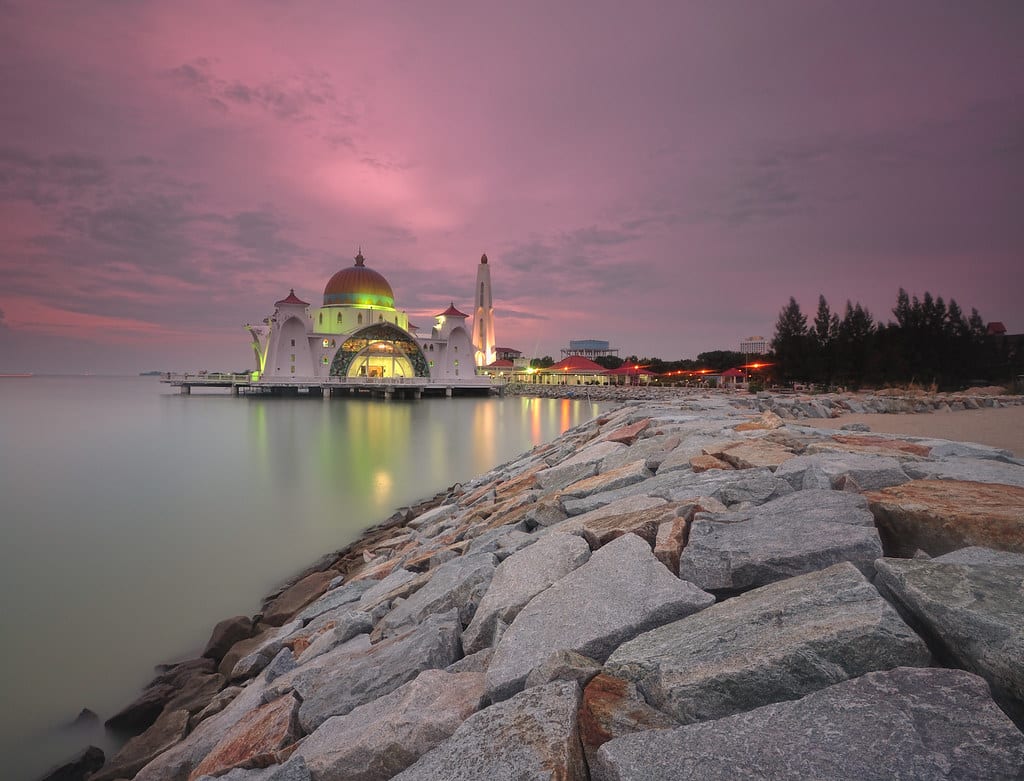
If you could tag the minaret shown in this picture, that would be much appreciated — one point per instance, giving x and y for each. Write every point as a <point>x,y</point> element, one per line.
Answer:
<point>483,315</point>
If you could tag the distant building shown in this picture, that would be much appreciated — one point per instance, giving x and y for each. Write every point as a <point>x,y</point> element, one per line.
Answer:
<point>755,345</point>
<point>507,353</point>
<point>588,348</point>
<point>996,328</point>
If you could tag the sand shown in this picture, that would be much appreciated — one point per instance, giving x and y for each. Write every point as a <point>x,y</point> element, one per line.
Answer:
<point>1003,427</point>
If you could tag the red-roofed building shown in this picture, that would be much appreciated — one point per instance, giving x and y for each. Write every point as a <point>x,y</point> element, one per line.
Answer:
<point>574,370</point>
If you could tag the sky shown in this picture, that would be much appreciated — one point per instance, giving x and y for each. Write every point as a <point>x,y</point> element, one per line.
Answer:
<point>663,176</point>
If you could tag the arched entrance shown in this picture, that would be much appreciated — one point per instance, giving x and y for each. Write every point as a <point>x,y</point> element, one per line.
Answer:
<point>380,350</point>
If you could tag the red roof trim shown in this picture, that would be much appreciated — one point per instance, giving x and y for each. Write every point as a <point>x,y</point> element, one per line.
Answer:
<point>578,364</point>
<point>291,299</point>
<point>451,311</point>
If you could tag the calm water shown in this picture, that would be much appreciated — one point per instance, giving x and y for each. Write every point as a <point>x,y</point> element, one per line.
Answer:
<point>134,519</point>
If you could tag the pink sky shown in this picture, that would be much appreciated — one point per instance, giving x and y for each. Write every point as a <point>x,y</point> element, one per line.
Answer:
<point>660,175</point>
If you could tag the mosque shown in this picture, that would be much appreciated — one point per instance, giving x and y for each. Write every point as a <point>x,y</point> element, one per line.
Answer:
<point>359,334</point>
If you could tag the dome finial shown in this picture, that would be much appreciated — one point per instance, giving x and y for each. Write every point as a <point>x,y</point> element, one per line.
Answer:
<point>359,256</point>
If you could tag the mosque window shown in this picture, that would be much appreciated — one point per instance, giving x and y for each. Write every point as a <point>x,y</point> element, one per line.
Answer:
<point>326,342</point>
<point>293,370</point>
<point>431,348</point>
<point>325,360</point>
<point>293,344</point>
<point>339,317</point>
<point>380,318</point>
<point>321,318</point>
<point>456,363</point>
<point>293,354</point>
<point>359,320</point>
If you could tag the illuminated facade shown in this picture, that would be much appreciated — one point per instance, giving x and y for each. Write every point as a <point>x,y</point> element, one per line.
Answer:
<point>358,333</point>
<point>755,345</point>
<point>483,315</point>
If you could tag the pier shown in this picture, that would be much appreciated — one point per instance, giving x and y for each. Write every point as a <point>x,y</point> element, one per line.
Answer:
<point>378,387</point>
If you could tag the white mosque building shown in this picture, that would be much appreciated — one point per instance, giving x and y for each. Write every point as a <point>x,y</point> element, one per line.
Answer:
<point>358,334</point>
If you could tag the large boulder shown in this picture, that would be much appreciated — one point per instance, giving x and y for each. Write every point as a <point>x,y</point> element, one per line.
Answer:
<point>620,477</point>
<point>777,642</point>
<point>168,684</point>
<point>458,584</point>
<point>612,708</point>
<point>225,634</point>
<point>383,737</point>
<point>532,737</point>
<point>780,539</point>
<point>78,769</point>
<point>905,723</point>
<point>167,730</point>
<point>519,579</point>
<point>621,591</point>
<point>938,516</point>
<point>830,470</point>
<point>294,598</point>
<point>976,470</point>
<point>257,740</point>
<point>334,683</point>
<point>972,613</point>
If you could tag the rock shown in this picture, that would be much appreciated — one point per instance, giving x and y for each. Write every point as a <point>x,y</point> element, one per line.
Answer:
<point>293,599</point>
<point>907,723</point>
<point>264,652</point>
<point>546,512</point>
<point>558,477</point>
<point>855,427</point>
<point>86,719</point>
<point>293,770</point>
<point>876,445</point>
<point>595,453</point>
<point>170,682</point>
<point>778,540</point>
<point>612,708</point>
<point>968,469</point>
<point>755,453</point>
<point>216,705</point>
<point>704,463</point>
<point>283,663</point>
<point>347,594</point>
<point>620,592</point>
<point>750,485</point>
<point>167,730</point>
<point>628,474</point>
<point>531,737</point>
<point>669,541</point>
<point>777,642</point>
<point>627,434</point>
<point>767,420</point>
<point>564,666</point>
<point>197,693</point>
<point>519,579</point>
<point>176,763</point>
<point>939,516</point>
<point>225,634</point>
<point>971,613</point>
<point>381,738</point>
<point>338,681</point>
<point>256,740</point>
<point>979,555</point>
<point>452,585</point>
<point>472,663</point>
<point>242,649</point>
<point>78,768</point>
<point>824,470</point>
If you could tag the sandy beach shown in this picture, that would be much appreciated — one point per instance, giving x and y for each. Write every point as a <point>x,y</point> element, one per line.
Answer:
<point>1003,427</point>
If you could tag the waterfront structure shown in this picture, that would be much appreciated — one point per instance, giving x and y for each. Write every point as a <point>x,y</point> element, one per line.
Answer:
<point>358,333</point>
<point>755,345</point>
<point>483,316</point>
<point>589,348</point>
<point>574,370</point>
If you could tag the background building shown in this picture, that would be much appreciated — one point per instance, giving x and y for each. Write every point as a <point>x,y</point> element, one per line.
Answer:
<point>588,348</point>
<point>755,345</point>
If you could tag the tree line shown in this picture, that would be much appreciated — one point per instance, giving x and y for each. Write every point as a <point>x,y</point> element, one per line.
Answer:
<point>930,342</point>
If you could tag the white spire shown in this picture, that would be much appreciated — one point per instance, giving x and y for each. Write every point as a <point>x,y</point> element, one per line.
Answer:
<point>483,315</point>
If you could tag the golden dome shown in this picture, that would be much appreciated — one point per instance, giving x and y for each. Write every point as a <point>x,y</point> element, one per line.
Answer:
<point>358,286</point>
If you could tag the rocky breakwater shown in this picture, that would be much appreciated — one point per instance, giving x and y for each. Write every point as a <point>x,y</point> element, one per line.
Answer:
<point>680,589</point>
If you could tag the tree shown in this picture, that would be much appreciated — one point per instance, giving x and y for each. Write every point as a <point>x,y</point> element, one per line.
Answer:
<point>720,360</point>
<point>542,363</point>
<point>609,361</point>
<point>826,328</point>
<point>790,342</point>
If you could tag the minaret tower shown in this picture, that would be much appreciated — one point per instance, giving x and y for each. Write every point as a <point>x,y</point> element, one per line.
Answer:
<point>483,315</point>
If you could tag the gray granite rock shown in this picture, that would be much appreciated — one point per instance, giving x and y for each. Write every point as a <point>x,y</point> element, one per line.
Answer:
<point>381,588</point>
<point>972,614</point>
<point>816,504</point>
<point>167,730</point>
<point>452,585</point>
<point>345,594</point>
<point>558,477</point>
<point>625,475</point>
<point>869,472</point>
<point>519,579</point>
<point>740,555</point>
<point>264,653</point>
<point>756,486</point>
<point>338,681</point>
<point>621,591</point>
<point>564,666</point>
<point>978,555</point>
<point>383,737</point>
<point>472,663</point>
<point>973,469</point>
<point>906,723</point>
<point>777,642</point>
<point>531,737</point>
<point>293,770</point>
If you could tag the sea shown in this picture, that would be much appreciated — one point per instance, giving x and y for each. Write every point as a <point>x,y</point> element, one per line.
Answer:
<point>134,518</point>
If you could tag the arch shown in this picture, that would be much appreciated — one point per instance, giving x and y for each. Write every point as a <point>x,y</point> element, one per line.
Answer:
<point>381,345</point>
